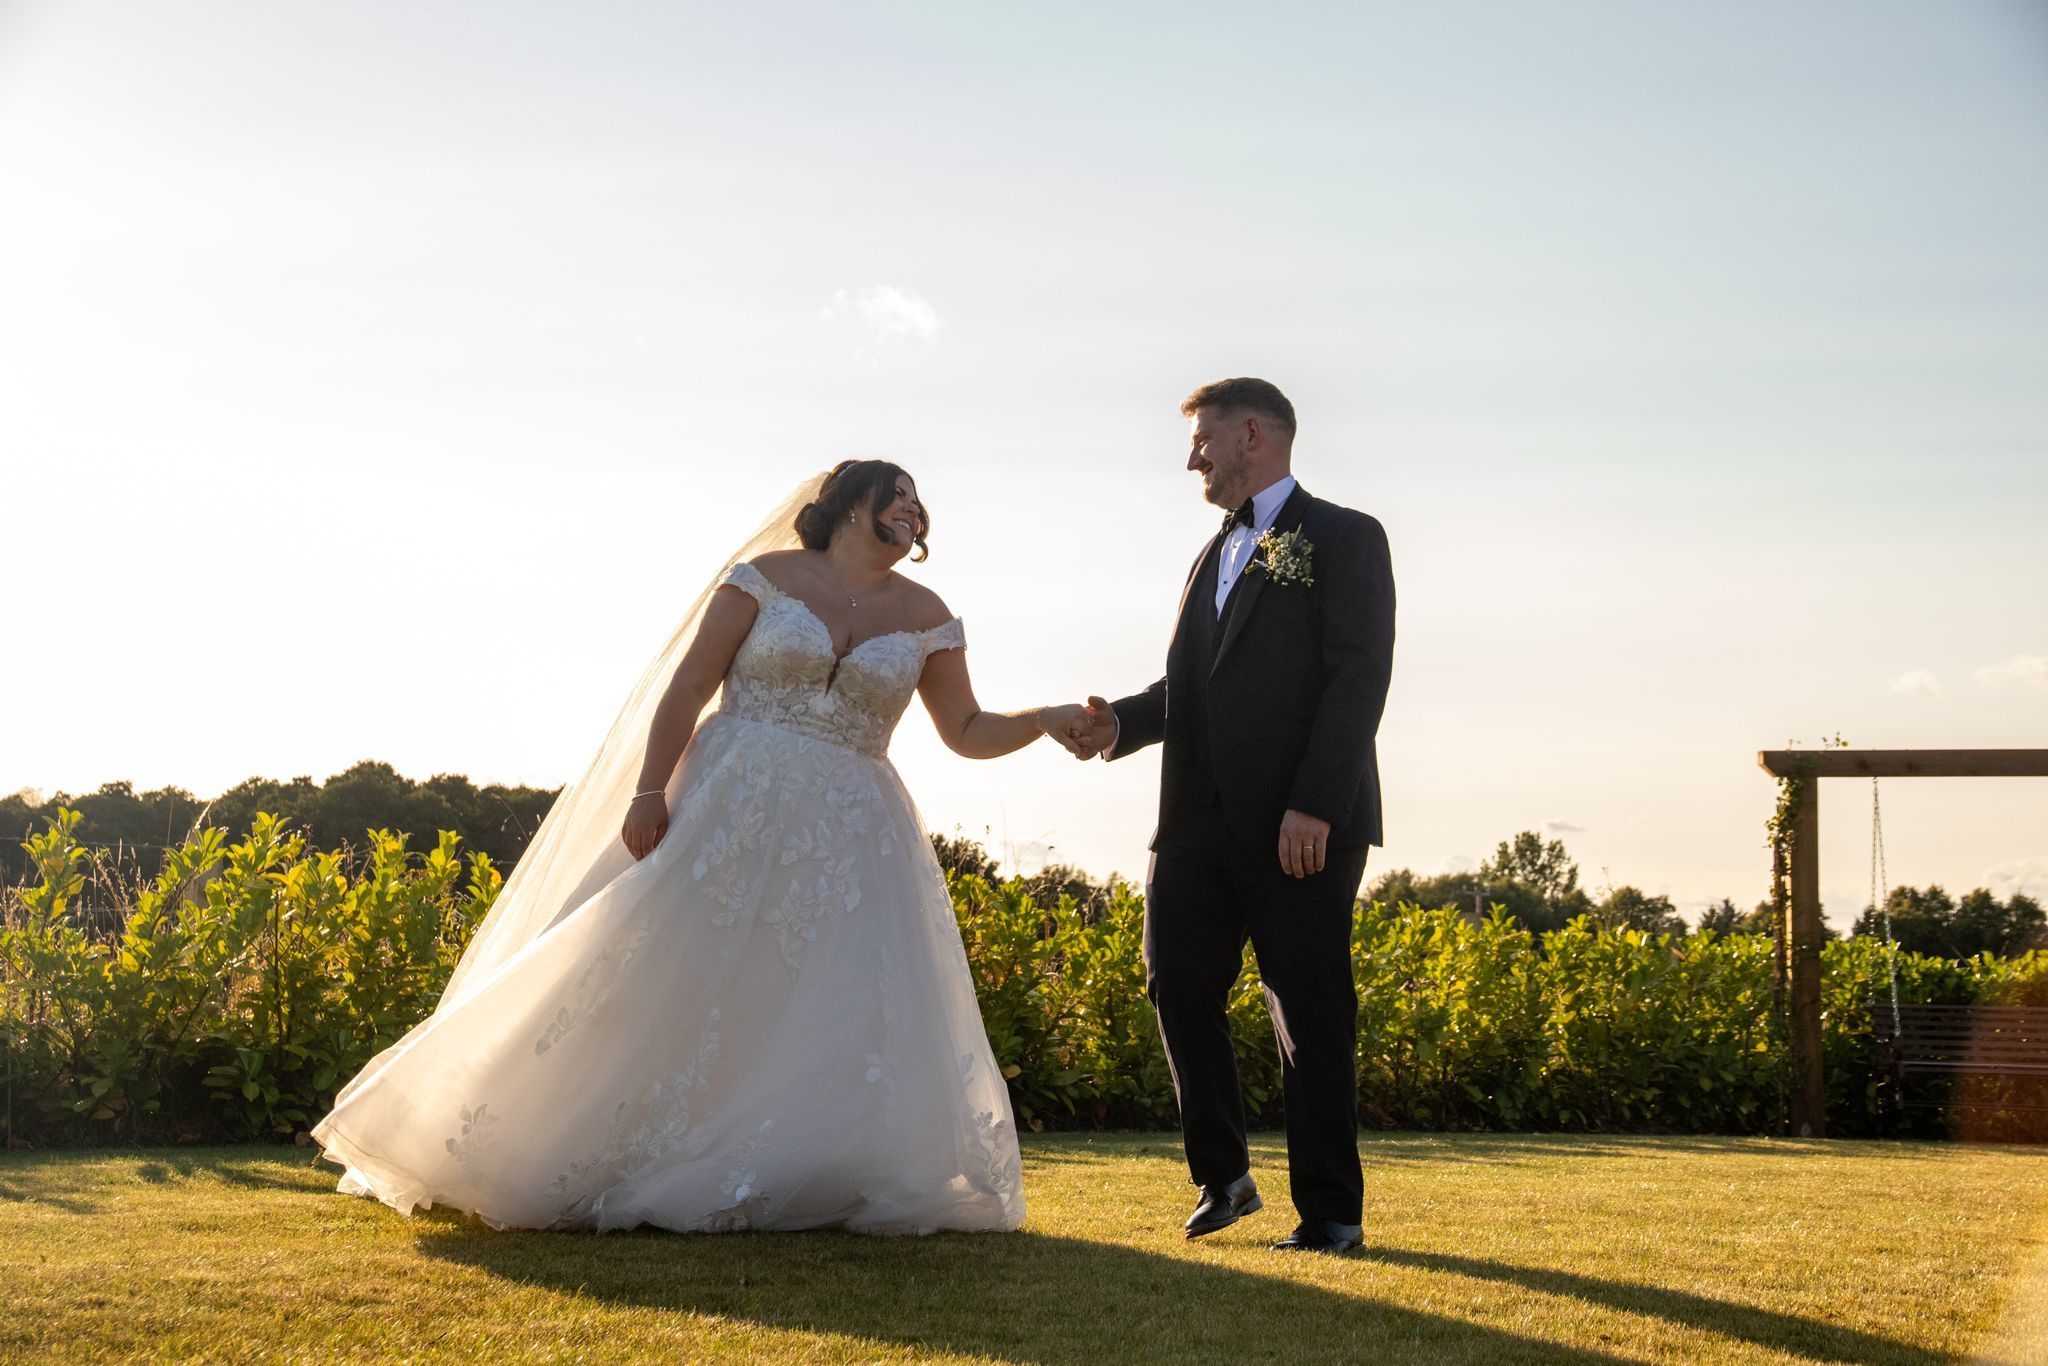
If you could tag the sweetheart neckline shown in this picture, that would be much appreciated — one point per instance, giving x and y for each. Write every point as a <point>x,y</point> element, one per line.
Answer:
<point>837,658</point>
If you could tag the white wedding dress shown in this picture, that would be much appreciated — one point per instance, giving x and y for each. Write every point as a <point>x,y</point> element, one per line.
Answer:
<point>768,1023</point>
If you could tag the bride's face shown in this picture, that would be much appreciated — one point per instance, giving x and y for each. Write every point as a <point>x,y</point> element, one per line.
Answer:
<point>902,517</point>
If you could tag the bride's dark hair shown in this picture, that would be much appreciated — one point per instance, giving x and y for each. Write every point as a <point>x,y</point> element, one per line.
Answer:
<point>851,486</point>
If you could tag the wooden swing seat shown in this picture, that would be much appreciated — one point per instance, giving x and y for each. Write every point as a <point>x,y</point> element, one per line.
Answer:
<point>1975,1041</point>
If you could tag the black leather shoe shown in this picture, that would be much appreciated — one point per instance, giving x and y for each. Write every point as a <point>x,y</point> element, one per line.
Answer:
<point>1222,1206</point>
<point>1320,1235</point>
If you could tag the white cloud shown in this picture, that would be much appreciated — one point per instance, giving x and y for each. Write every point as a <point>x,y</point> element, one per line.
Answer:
<point>1918,683</point>
<point>2029,669</point>
<point>1457,863</point>
<point>2029,875</point>
<point>1563,828</point>
<point>887,312</point>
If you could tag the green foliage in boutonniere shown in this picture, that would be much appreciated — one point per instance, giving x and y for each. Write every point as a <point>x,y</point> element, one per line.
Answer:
<point>1286,557</point>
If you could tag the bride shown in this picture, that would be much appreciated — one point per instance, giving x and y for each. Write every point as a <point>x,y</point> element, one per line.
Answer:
<point>747,1006</point>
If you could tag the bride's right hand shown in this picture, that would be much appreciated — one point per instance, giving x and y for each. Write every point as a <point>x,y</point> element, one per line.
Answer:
<point>646,823</point>
<point>1067,724</point>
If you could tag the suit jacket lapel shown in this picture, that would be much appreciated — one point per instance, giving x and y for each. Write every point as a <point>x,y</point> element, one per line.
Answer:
<point>1250,584</point>
<point>1214,549</point>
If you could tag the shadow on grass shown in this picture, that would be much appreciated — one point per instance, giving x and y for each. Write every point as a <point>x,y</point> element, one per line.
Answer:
<point>18,1193</point>
<point>1763,1327</point>
<point>1018,1297</point>
<point>61,1178</point>
<point>266,1170</point>
<point>1031,1297</point>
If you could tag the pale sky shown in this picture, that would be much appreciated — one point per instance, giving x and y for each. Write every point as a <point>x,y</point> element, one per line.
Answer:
<point>381,381</point>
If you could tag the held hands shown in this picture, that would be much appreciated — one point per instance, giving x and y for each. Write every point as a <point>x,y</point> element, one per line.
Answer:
<point>1067,724</point>
<point>1084,731</point>
<point>1304,841</point>
<point>1102,728</point>
<point>646,823</point>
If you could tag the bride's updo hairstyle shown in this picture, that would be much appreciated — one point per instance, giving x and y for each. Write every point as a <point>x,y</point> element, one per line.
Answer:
<point>854,486</point>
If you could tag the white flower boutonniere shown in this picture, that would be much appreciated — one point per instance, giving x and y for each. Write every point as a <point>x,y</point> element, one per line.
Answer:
<point>1288,557</point>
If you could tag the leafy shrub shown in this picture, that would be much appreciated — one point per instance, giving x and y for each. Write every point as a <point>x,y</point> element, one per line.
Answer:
<point>250,977</point>
<point>248,980</point>
<point>1450,1017</point>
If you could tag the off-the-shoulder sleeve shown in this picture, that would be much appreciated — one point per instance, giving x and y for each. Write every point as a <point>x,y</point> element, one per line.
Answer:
<point>749,580</point>
<point>950,635</point>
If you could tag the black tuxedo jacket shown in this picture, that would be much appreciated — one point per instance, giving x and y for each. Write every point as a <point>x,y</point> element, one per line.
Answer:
<point>1276,706</point>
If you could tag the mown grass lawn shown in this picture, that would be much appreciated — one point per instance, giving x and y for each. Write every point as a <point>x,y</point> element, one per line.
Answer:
<point>1480,1248</point>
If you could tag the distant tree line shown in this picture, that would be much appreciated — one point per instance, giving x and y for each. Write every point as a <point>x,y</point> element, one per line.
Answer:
<point>1537,883</point>
<point>493,820</point>
<point>1930,921</point>
<point>962,856</point>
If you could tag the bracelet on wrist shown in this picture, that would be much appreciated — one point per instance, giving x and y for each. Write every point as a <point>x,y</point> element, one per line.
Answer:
<point>650,792</point>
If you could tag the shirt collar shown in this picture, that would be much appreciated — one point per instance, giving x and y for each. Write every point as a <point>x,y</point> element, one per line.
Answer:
<point>1266,502</point>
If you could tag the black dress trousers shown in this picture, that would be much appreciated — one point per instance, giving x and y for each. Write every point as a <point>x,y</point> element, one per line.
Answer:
<point>1205,896</point>
<point>1198,915</point>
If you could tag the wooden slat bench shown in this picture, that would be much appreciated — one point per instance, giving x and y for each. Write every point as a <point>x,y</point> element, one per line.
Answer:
<point>2000,1042</point>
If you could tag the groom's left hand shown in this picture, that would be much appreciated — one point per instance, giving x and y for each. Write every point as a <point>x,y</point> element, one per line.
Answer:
<point>1304,840</point>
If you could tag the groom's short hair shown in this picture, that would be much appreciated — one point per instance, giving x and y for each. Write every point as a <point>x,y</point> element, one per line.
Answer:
<point>1243,395</point>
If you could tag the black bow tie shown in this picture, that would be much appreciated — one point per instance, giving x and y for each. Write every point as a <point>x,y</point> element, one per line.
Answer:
<point>1241,517</point>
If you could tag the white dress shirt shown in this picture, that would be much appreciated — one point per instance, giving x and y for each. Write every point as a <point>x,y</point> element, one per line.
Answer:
<point>1237,553</point>
<point>1242,540</point>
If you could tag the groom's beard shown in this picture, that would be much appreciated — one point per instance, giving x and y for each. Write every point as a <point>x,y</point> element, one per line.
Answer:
<point>1225,489</point>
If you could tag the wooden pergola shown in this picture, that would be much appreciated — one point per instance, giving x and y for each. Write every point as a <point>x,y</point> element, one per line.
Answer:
<point>1802,928</point>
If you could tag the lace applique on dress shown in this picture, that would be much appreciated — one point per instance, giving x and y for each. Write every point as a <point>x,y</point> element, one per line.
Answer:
<point>641,1134</point>
<point>477,1124</point>
<point>595,985</point>
<point>995,1141</point>
<point>741,1186</point>
<point>787,672</point>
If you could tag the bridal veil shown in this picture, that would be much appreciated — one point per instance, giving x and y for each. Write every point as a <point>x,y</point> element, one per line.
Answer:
<point>577,849</point>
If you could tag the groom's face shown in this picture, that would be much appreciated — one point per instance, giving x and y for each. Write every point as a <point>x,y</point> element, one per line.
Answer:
<point>1217,451</point>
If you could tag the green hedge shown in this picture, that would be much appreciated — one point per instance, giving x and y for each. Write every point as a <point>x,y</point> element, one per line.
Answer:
<point>249,979</point>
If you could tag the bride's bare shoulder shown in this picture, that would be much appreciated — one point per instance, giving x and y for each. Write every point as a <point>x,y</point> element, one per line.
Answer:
<point>925,608</point>
<point>783,568</point>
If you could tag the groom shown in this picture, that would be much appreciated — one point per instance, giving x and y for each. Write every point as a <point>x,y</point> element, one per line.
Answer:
<point>1269,800</point>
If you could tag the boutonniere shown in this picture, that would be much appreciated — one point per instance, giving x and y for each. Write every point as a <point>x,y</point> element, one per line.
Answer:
<point>1287,557</point>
